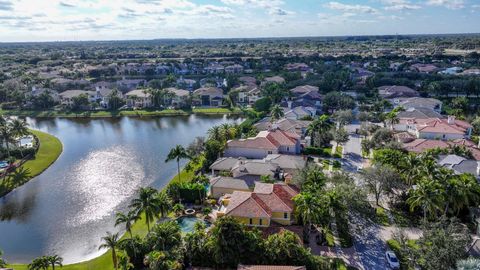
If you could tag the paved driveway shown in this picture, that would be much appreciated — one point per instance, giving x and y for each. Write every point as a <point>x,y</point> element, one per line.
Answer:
<point>368,243</point>
<point>352,150</point>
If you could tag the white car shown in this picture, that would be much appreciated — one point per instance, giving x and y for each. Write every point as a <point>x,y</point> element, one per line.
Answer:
<point>392,260</point>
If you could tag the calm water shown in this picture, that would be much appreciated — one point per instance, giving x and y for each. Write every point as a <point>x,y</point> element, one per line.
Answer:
<point>68,208</point>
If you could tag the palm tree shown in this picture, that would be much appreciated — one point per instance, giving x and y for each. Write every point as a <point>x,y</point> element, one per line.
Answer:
<point>54,260</point>
<point>110,241</point>
<point>40,263</point>
<point>124,262</point>
<point>427,195</point>
<point>164,203</point>
<point>147,203</point>
<point>320,125</point>
<point>178,153</point>
<point>20,175</point>
<point>19,127</point>
<point>276,112</point>
<point>128,219</point>
<point>412,169</point>
<point>215,133</point>
<point>228,131</point>
<point>391,119</point>
<point>3,263</point>
<point>6,136</point>
<point>307,210</point>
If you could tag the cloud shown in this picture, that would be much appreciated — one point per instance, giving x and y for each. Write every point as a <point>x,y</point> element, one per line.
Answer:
<point>400,5</point>
<point>350,8</point>
<point>6,5</point>
<point>254,3</point>
<point>279,12</point>
<point>450,4</point>
<point>66,4</point>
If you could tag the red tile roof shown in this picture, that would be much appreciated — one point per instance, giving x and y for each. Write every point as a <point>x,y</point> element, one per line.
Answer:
<point>422,145</point>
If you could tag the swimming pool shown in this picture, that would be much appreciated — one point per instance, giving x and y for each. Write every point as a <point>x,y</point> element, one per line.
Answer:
<point>3,164</point>
<point>187,224</point>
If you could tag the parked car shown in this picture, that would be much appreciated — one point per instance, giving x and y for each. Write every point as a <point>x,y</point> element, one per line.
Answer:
<point>392,260</point>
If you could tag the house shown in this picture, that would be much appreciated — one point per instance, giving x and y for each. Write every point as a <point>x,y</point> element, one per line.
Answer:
<point>139,99</point>
<point>417,103</point>
<point>460,164</point>
<point>424,68</point>
<point>471,72</point>
<point>180,97</point>
<point>298,127</point>
<point>36,92</point>
<point>219,186</point>
<point>234,69</point>
<point>126,85</point>
<point>214,68</point>
<point>274,79</point>
<point>103,95</point>
<point>396,91</point>
<point>266,204</point>
<point>208,96</point>
<point>278,166</point>
<point>247,94</point>
<point>420,113</point>
<point>451,71</point>
<point>304,89</point>
<point>265,143</point>
<point>302,67</point>
<point>435,128</point>
<point>422,145</point>
<point>186,83</point>
<point>248,80</point>
<point>300,112</point>
<point>270,267</point>
<point>67,97</point>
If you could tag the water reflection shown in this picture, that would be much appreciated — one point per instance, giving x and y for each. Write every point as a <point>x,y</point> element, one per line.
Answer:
<point>72,204</point>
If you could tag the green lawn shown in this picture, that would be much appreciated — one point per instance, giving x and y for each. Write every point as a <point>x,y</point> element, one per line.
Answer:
<point>50,149</point>
<point>104,262</point>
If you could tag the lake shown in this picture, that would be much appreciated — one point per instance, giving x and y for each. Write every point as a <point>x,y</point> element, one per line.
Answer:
<point>69,207</point>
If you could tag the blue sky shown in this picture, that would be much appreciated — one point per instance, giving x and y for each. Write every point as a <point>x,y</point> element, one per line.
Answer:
<point>39,20</point>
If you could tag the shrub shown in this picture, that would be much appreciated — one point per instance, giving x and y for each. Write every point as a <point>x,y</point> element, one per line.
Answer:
<point>310,150</point>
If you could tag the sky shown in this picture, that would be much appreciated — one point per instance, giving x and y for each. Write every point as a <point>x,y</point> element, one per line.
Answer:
<point>75,20</point>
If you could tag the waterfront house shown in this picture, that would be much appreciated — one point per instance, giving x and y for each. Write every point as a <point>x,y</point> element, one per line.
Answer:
<point>67,97</point>
<point>208,96</point>
<point>298,127</point>
<point>179,97</point>
<point>265,143</point>
<point>220,185</point>
<point>139,98</point>
<point>266,204</point>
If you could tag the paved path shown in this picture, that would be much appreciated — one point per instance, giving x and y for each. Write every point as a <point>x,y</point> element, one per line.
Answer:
<point>368,243</point>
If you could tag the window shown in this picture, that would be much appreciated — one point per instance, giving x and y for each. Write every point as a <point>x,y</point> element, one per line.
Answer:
<point>251,221</point>
<point>285,215</point>
<point>269,152</point>
<point>260,222</point>
<point>288,148</point>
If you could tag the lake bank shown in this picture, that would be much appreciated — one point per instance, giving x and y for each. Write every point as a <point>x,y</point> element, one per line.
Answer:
<point>70,206</point>
<point>113,114</point>
<point>104,261</point>
<point>49,150</point>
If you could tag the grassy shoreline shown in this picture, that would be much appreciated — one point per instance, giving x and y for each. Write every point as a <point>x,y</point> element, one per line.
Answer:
<point>104,261</point>
<point>109,114</point>
<point>48,152</point>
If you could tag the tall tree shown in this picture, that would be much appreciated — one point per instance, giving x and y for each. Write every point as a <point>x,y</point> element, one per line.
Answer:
<point>164,203</point>
<point>177,153</point>
<point>318,128</point>
<point>111,241</point>
<point>276,112</point>
<point>128,219</point>
<point>55,260</point>
<point>146,203</point>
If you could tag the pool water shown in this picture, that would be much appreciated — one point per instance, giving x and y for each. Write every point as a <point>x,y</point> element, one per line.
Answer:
<point>3,164</point>
<point>187,224</point>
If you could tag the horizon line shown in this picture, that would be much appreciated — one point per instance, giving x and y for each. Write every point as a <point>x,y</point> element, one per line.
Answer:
<point>241,38</point>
